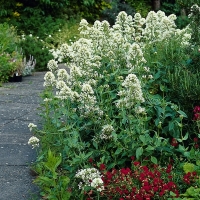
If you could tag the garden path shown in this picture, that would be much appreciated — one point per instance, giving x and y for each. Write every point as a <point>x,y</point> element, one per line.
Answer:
<point>19,103</point>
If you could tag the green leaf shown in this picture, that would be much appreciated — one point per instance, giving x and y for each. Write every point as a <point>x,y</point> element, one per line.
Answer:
<point>154,160</point>
<point>95,144</point>
<point>150,148</point>
<point>139,152</point>
<point>88,155</point>
<point>185,137</point>
<point>118,151</point>
<point>171,125</point>
<point>181,148</point>
<point>52,162</point>
<point>142,138</point>
<point>198,162</point>
<point>182,113</point>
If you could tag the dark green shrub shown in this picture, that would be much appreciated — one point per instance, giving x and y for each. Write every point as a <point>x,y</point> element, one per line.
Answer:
<point>8,38</point>
<point>38,49</point>
<point>6,67</point>
<point>142,7</point>
<point>110,14</point>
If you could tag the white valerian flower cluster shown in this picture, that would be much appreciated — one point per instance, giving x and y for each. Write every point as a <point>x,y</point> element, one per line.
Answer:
<point>122,43</point>
<point>140,110</point>
<point>34,142</point>
<point>194,11</point>
<point>132,92</point>
<point>158,26</point>
<point>104,62</point>
<point>62,74</point>
<point>106,132</point>
<point>90,177</point>
<point>146,75</point>
<point>52,65</point>
<point>87,102</point>
<point>31,126</point>
<point>49,79</point>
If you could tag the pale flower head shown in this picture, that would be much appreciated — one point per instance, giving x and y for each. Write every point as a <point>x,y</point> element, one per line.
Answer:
<point>87,88</point>
<point>62,74</point>
<point>52,65</point>
<point>98,184</point>
<point>31,126</point>
<point>49,79</point>
<point>90,177</point>
<point>34,142</point>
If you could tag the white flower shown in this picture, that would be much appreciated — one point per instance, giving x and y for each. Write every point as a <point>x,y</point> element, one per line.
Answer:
<point>90,177</point>
<point>49,79</point>
<point>60,85</point>
<point>106,132</point>
<point>150,76</point>
<point>31,126</point>
<point>140,110</point>
<point>98,184</point>
<point>146,69</point>
<point>87,88</point>
<point>52,65</point>
<point>34,141</point>
<point>132,92</point>
<point>62,74</point>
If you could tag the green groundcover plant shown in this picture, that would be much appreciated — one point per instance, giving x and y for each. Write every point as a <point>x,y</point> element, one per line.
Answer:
<point>109,105</point>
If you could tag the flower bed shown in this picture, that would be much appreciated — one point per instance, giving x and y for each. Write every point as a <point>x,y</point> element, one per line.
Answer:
<point>114,104</point>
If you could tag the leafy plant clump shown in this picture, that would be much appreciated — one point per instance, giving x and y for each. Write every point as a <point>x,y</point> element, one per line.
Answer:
<point>113,102</point>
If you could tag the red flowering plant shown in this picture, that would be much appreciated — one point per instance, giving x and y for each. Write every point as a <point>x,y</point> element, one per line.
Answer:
<point>137,183</point>
<point>196,116</point>
<point>143,182</point>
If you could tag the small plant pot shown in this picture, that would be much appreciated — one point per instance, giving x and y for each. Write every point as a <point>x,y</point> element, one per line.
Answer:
<point>18,78</point>
<point>11,79</point>
<point>15,78</point>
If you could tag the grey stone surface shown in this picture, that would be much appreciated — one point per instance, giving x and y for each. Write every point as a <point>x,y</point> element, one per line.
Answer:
<point>14,138</point>
<point>11,98</point>
<point>16,154</point>
<point>16,183</point>
<point>19,103</point>
<point>17,126</point>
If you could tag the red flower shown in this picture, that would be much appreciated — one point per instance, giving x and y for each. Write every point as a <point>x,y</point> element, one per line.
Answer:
<point>174,142</point>
<point>196,116</point>
<point>102,167</point>
<point>90,160</point>
<point>196,109</point>
<point>125,171</point>
<point>169,169</point>
<point>195,140</point>
<point>109,175</point>
<point>136,163</point>
<point>196,146</point>
<point>196,113</point>
<point>132,157</point>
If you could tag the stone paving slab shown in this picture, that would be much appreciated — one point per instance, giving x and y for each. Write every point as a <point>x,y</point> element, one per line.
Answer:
<point>16,127</point>
<point>16,154</point>
<point>14,139</point>
<point>11,98</point>
<point>12,112</point>
<point>4,121</point>
<point>31,116</point>
<point>20,92</point>
<point>15,112</point>
<point>17,184</point>
<point>33,84</point>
